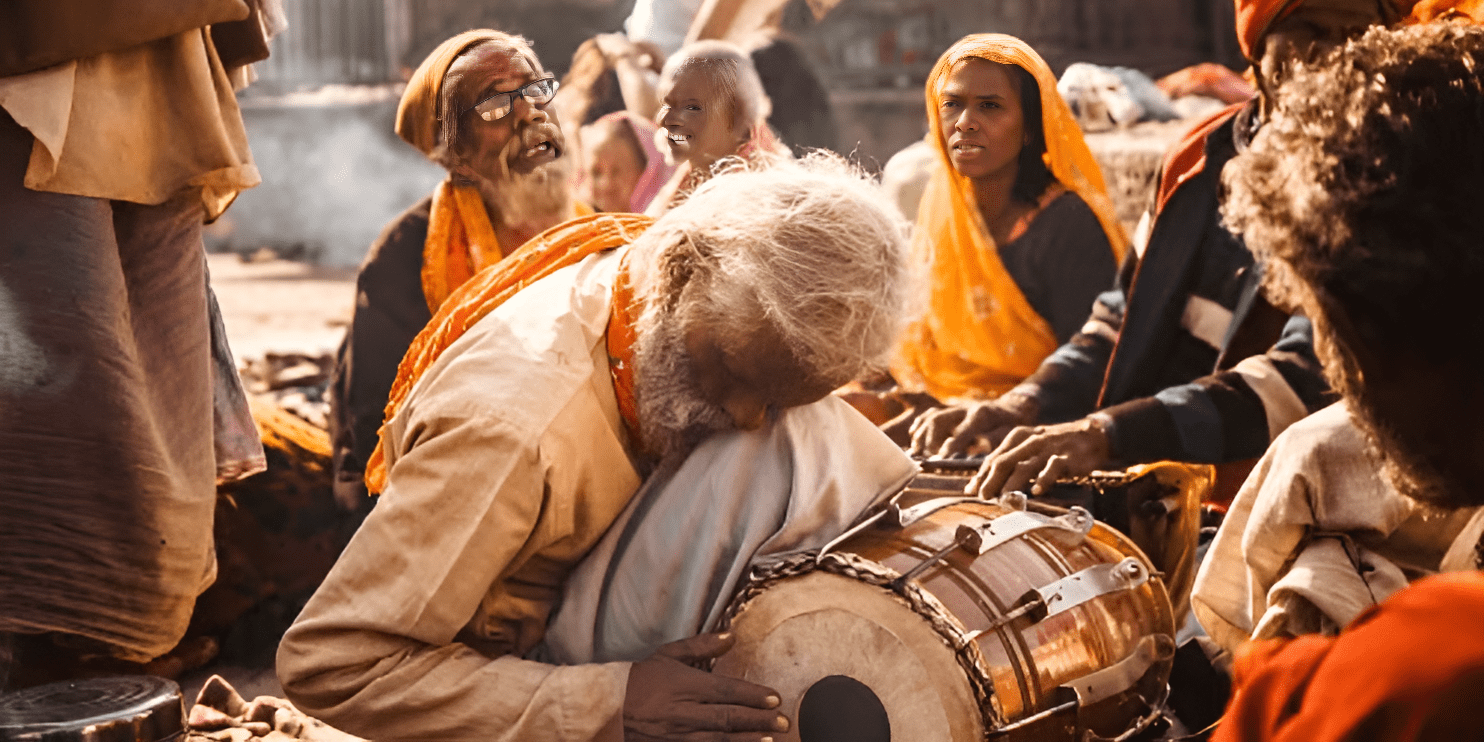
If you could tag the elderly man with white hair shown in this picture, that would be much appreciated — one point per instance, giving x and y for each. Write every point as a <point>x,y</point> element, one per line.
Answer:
<point>620,438</point>
<point>712,107</point>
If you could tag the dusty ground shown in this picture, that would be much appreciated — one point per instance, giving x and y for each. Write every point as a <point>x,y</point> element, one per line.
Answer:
<point>280,305</point>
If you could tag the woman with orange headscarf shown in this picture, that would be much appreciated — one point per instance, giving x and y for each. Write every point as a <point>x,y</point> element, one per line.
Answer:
<point>1015,229</point>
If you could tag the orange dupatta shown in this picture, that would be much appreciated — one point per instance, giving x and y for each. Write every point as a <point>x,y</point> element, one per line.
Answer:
<point>546,253</point>
<point>980,336</point>
<point>461,240</point>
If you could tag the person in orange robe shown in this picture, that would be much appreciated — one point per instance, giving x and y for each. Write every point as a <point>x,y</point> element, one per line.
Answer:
<point>1015,229</point>
<point>477,106</point>
<point>1361,194</point>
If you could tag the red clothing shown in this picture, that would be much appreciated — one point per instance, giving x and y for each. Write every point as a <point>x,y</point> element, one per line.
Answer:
<point>1410,668</point>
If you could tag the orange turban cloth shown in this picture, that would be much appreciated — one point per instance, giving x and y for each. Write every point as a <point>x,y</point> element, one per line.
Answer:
<point>980,336</point>
<point>1255,17</point>
<point>418,113</point>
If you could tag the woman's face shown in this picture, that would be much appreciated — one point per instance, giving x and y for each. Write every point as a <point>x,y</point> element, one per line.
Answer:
<point>613,167</point>
<point>980,119</point>
<point>694,126</point>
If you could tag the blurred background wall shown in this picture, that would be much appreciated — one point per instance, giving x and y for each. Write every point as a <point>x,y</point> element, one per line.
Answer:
<point>320,116</point>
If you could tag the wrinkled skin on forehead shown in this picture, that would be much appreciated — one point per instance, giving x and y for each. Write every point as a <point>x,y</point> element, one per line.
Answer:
<point>484,146</point>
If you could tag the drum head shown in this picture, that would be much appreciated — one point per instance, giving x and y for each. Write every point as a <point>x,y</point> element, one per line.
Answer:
<point>136,708</point>
<point>851,661</point>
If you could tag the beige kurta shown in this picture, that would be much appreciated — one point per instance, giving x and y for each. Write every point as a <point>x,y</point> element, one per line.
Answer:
<point>1315,535</point>
<point>506,465</point>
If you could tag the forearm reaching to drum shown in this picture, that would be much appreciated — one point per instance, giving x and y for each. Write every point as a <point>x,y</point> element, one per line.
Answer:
<point>667,699</point>
<point>1031,459</point>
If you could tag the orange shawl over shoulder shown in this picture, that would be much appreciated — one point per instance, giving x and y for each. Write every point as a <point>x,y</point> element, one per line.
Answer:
<point>980,336</point>
<point>1410,668</point>
<point>461,240</point>
<point>556,248</point>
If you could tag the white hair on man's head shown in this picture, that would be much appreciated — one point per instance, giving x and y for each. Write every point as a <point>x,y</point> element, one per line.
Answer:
<point>812,247</point>
<point>734,77</point>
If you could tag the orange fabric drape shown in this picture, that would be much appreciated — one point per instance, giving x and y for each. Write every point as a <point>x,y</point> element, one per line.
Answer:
<point>1188,157</point>
<point>548,252</point>
<point>979,336</point>
<point>1400,666</point>
<point>461,240</point>
<point>1253,19</point>
<point>417,111</point>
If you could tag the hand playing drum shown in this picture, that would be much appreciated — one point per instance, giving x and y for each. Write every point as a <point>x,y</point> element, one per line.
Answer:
<point>668,699</point>
<point>950,432</point>
<point>1031,459</point>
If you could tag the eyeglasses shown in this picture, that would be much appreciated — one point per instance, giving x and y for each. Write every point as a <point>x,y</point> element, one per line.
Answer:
<point>499,105</point>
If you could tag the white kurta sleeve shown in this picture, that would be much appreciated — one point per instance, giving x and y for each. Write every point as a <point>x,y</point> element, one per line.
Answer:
<point>375,650</point>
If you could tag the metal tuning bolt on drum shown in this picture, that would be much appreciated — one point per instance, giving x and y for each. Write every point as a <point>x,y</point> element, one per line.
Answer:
<point>943,617</point>
<point>134,708</point>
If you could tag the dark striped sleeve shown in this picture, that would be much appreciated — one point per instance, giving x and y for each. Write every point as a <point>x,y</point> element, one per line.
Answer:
<point>1230,415</point>
<point>1067,383</point>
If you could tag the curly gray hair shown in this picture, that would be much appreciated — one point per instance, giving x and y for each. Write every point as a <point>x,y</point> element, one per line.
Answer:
<point>1362,196</point>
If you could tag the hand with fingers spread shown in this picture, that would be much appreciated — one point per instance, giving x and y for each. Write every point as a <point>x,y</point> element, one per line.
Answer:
<point>950,432</point>
<point>668,699</point>
<point>1031,459</point>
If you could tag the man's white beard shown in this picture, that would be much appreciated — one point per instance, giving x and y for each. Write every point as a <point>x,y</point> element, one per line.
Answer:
<point>674,417</point>
<point>541,198</point>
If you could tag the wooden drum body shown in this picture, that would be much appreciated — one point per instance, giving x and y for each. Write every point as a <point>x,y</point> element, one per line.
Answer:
<point>949,618</point>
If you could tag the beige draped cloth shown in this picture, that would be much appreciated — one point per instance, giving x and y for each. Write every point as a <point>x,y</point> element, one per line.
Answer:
<point>507,463</point>
<point>137,125</point>
<point>1315,536</point>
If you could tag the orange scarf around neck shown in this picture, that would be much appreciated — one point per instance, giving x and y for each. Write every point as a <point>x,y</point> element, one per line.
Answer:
<point>556,248</point>
<point>461,240</point>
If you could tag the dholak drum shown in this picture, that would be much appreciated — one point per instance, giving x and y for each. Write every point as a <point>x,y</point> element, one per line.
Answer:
<point>945,618</point>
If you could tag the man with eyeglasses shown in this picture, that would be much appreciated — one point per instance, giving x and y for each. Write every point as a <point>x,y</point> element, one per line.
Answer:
<point>477,106</point>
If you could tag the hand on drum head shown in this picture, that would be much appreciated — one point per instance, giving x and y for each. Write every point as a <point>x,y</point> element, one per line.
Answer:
<point>951,431</point>
<point>1030,459</point>
<point>667,699</point>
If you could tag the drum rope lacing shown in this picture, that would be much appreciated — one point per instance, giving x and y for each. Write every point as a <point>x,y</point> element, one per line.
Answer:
<point>924,604</point>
